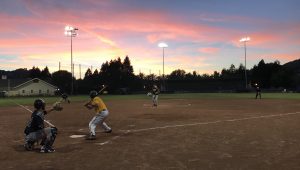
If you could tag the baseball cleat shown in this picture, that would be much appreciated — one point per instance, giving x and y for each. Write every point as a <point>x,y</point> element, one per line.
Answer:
<point>109,131</point>
<point>47,150</point>
<point>91,137</point>
<point>28,146</point>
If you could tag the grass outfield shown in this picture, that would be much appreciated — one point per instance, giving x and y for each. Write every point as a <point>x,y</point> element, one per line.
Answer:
<point>10,101</point>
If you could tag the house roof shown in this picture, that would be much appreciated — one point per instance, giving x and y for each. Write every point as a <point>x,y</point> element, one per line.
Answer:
<point>33,80</point>
<point>17,83</point>
<point>4,84</point>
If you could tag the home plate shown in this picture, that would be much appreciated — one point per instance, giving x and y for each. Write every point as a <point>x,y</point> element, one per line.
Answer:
<point>77,136</point>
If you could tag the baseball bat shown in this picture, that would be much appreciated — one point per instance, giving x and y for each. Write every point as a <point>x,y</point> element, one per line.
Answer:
<point>103,87</point>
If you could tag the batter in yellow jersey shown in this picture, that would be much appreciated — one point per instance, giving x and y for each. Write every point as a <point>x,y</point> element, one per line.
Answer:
<point>102,113</point>
<point>99,104</point>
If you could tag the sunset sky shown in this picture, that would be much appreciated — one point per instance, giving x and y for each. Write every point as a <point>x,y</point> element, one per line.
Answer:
<point>203,35</point>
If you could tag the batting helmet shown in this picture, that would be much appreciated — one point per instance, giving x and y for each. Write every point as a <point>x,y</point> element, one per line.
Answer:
<point>39,104</point>
<point>93,94</point>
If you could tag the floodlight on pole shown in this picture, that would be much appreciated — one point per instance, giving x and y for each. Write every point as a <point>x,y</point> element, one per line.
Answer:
<point>163,46</point>
<point>71,32</point>
<point>245,40</point>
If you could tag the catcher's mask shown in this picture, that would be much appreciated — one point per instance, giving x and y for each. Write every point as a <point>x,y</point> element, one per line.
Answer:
<point>39,104</point>
<point>93,94</point>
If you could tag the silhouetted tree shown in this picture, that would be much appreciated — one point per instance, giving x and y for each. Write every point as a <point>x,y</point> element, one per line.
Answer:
<point>177,75</point>
<point>127,67</point>
<point>283,78</point>
<point>88,74</point>
<point>262,73</point>
<point>18,73</point>
<point>96,80</point>
<point>127,75</point>
<point>35,72</point>
<point>119,75</point>
<point>216,75</point>
<point>45,74</point>
<point>62,79</point>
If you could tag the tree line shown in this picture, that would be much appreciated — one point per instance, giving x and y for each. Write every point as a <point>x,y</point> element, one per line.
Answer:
<point>119,77</point>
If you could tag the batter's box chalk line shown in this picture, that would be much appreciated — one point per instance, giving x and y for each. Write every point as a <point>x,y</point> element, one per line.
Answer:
<point>112,139</point>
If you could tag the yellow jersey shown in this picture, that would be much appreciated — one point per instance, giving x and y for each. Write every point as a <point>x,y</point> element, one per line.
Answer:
<point>99,104</point>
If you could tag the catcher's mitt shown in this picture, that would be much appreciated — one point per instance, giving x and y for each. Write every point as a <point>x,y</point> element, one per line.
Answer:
<point>57,106</point>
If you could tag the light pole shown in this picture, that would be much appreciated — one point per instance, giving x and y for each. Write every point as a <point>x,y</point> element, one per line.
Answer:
<point>163,46</point>
<point>71,32</point>
<point>245,39</point>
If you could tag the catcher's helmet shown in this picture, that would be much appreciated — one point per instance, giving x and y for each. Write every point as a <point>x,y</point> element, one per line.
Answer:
<point>39,104</point>
<point>93,94</point>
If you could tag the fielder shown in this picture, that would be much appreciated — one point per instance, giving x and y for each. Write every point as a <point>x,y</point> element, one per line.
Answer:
<point>155,92</point>
<point>64,97</point>
<point>258,91</point>
<point>102,113</point>
<point>36,131</point>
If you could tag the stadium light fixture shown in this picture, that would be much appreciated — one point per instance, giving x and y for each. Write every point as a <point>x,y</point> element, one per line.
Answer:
<point>71,32</point>
<point>163,46</point>
<point>245,40</point>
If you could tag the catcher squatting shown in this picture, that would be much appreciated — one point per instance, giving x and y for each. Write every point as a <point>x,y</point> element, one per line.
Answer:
<point>35,130</point>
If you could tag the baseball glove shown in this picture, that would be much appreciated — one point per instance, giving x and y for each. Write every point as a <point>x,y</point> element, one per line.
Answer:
<point>57,106</point>
<point>149,94</point>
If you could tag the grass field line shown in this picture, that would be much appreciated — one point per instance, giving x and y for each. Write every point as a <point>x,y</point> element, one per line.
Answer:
<point>24,107</point>
<point>211,122</point>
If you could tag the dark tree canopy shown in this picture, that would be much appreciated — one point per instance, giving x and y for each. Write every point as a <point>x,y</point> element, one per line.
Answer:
<point>45,74</point>
<point>62,79</point>
<point>119,76</point>
<point>35,72</point>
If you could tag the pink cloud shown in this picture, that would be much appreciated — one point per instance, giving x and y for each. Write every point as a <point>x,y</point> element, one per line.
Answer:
<point>209,50</point>
<point>24,42</point>
<point>282,57</point>
<point>108,33</point>
<point>157,25</point>
<point>154,26</point>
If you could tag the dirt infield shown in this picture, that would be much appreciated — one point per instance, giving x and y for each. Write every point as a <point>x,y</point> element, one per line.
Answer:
<point>179,134</point>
